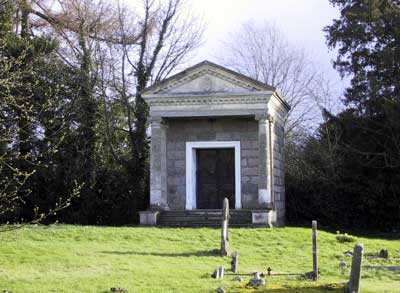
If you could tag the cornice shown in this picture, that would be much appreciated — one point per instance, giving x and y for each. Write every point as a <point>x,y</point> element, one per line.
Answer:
<point>208,100</point>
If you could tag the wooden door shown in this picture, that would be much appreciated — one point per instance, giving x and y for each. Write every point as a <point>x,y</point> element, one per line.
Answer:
<point>215,178</point>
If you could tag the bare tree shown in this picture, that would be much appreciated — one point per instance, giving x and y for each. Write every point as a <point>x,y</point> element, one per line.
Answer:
<point>168,33</point>
<point>120,51</point>
<point>263,53</point>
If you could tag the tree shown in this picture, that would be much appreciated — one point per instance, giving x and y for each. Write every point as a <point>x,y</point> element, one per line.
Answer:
<point>27,93</point>
<point>101,57</point>
<point>363,174</point>
<point>264,54</point>
<point>368,42</point>
<point>166,37</point>
<point>83,28</point>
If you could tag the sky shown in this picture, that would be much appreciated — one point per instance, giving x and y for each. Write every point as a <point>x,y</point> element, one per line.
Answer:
<point>301,21</point>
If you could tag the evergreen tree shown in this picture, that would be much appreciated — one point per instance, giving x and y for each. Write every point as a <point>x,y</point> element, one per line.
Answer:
<point>353,163</point>
<point>363,141</point>
<point>30,87</point>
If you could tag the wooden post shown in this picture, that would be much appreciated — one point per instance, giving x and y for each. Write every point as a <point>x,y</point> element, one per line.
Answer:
<point>315,250</point>
<point>224,232</point>
<point>355,275</point>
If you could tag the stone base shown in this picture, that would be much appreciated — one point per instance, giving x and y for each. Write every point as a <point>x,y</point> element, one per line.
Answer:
<point>148,218</point>
<point>263,217</point>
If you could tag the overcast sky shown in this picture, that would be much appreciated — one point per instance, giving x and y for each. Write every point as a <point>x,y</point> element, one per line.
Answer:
<point>301,21</point>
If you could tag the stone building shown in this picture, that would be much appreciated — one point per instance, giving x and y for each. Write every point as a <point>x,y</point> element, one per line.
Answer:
<point>215,133</point>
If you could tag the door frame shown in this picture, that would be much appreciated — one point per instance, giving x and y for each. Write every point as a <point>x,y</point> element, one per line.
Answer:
<point>191,167</point>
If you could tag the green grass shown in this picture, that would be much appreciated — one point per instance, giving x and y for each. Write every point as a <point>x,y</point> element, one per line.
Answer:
<point>62,258</point>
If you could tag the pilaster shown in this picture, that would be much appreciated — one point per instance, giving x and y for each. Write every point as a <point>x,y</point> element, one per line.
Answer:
<point>158,164</point>
<point>265,167</point>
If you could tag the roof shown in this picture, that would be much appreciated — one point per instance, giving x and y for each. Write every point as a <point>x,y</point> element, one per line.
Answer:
<point>161,84</point>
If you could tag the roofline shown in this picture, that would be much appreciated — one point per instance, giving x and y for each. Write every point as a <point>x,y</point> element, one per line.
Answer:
<point>282,100</point>
<point>206,62</point>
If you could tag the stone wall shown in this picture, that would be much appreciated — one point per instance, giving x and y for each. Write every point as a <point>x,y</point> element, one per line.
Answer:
<point>180,131</point>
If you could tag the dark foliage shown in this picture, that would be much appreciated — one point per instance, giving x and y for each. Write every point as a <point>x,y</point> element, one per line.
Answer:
<point>349,174</point>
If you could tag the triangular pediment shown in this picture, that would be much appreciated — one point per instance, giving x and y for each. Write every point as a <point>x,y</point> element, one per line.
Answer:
<point>207,78</point>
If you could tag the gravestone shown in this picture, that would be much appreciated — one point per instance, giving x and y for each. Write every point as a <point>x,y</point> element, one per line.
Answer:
<point>221,272</point>
<point>237,278</point>
<point>315,250</point>
<point>355,275</point>
<point>256,281</point>
<point>235,261</point>
<point>218,273</point>
<point>342,266</point>
<point>384,253</point>
<point>224,231</point>
<point>215,274</point>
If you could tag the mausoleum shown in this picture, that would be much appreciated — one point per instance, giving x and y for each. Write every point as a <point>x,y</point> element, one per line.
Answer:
<point>215,133</point>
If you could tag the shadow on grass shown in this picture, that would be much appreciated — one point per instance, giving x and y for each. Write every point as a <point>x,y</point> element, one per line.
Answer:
<point>214,252</point>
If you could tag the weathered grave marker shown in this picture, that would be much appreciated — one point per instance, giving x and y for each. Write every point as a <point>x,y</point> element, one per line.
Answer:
<point>235,261</point>
<point>315,250</point>
<point>237,278</point>
<point>355,275</point>
<point>221,272</point>
<point>256,281</point>
<point>384,253</point>
<point>342,266</point>
<point>215,274</point>
<point>224,232</point>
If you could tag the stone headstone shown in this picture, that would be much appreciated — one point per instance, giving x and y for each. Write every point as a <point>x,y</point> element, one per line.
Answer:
<point>235,261</point>
<point>256,281</point>
<point>224,231</point>
<point>237,278</point>
<point>355,275</point>
<point>221,272</point>
<point>384,253</point>
<point>348,253</point>
<point>343,266</point>
<point>315,250</point>
<point>215,274</point>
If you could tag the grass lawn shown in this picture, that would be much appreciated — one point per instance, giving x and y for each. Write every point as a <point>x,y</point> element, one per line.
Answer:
<point>61,258</point>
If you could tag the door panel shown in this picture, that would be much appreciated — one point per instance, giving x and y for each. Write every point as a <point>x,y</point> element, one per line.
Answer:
<point>215,177</point>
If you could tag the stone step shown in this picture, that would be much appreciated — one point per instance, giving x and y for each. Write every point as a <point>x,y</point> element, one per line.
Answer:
<point>206,224</point>
<point>204,218</point>
<point>211,216</point>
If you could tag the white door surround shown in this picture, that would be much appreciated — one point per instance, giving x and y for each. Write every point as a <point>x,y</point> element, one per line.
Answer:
<point>191,147</point>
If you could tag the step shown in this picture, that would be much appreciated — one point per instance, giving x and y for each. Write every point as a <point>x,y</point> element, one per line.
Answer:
<point>204,218</point>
